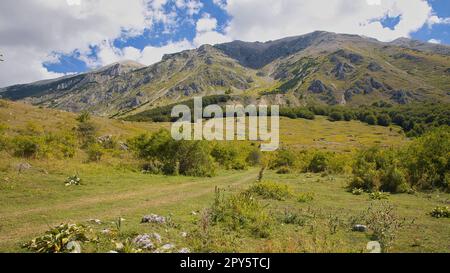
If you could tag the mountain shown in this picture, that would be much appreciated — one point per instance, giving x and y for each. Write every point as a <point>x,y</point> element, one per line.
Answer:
<point>316,68</point>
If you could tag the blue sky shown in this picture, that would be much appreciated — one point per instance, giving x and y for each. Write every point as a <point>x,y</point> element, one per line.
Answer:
<point>49,38</point>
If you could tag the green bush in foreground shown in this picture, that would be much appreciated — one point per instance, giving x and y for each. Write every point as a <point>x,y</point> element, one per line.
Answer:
<point>440,212</point>
<point>271,190</point>
<point>56,239</point>
<point>241,211</point>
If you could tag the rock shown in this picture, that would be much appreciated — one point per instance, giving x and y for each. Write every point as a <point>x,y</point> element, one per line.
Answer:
<point>400,96</point>
<point>317,87</point>
<point>375,84</point>
<point>184,250</point>
<point>341,69</point>
<point>184,234</point>
<point>144,242</point>
<point>123,146</point>
<point>374,247</point>
<point>359,228</point>
<point>21,167</point>
<point>168,247</point>
<point>74,247</point>
<point>106,231</point>
<point>153,218</point>
<point>95,221</point>
<point>374,67</point>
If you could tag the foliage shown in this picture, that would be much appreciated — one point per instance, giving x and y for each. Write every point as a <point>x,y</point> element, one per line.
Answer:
<point>95,152</point>
<point>56,239</point>
<point>291,217</point>
<point>305,197</point>
<point>440,212</point>
<point>26,146</point>
<point>427,160</point>
<point>319,163</point>
<point>191,158</point>
<point>73,180</point>
<point>379,195</point>
<point>271,190</point>
<point>241,211</point>
<point>383,221</point>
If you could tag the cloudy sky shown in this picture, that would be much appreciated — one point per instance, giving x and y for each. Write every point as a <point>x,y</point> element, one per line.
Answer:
<point>42,39</point>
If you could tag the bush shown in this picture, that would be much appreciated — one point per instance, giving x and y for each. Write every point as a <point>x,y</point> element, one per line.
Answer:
<point>283,158</point>
<point>56,239</point>
<point>95,152</point>
<point>383,221</point>
<point>319,163</point>
<point>376,169</point>
<point>254,157</point>
<point>305,197</point>
<point>271,190</point>
<point>26,146</point>
<point>284,170</point>
<point>241,211</point>
<point>73,180</point>
<point>384,120</point>
<point>192,158</point>
<point>427,160</point>
<point>440,212</point>
<point>379,195</point>
<point>336,116</point>
<point>291,217</point>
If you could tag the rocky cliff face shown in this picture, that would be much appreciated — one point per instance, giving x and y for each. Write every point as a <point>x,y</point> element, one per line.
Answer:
<point>320,67</point>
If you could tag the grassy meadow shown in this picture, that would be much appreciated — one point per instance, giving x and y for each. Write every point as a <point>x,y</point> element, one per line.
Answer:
<point>292,211</point>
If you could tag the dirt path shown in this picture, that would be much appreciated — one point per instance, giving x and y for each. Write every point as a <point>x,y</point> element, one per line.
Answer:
<point>90,207</point>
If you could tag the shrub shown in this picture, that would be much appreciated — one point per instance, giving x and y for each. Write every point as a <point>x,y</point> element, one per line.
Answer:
<point>95,152</point>
<point>371,119</point>
<point>440,212</point>
<point>283,158</point>
<point>254,157</point>
<point>376,169</point>
<point>56,239</point>
<point>378,195</point>
<point>319,163</point>
<point>87,131</point>
<point>384,120</point>
<point>192,158</point>
<point>305,197</point>
<point>427,160</point>
<point>336,116</point>
<point>26,146</point>
<point>73,180</point>
<point>241,211</point>
<point>291,217</point>
<point>383,221</point>
<point>271,190</point>
<point>284,170</point>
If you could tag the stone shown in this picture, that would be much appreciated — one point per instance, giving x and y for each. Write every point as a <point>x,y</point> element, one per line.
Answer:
<point>144,242</point>
<point>21,167</point>
<point>73,247</point>
<point>184,250</point>
<point>359,228</point>
<point>153,218</point>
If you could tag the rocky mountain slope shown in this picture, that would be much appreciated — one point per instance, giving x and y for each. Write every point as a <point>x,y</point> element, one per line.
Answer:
<point>320,67</point>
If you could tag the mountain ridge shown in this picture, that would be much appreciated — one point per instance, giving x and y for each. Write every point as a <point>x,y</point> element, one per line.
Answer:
<point>320,67</point>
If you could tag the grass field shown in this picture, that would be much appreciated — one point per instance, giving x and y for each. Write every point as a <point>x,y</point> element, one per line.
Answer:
<point>35,199</point>
<point>34,202</point>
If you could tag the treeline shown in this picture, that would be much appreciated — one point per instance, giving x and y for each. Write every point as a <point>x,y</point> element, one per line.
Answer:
<point>414,119</point>
<point>163,113</point>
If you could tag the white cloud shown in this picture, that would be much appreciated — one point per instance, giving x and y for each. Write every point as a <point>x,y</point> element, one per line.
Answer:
<point>434,41</point>
<point>253,20</point>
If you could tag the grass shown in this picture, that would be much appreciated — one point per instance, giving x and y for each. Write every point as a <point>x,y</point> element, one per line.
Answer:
<point>33,200</point>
